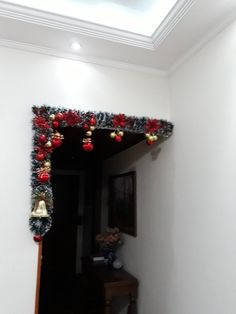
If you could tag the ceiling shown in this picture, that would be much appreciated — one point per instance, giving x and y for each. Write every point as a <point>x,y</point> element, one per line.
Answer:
<point>149,35</point>
<point>141,17</point>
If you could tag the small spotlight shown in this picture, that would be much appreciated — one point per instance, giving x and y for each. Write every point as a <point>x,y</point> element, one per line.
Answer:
<point>75,46</point>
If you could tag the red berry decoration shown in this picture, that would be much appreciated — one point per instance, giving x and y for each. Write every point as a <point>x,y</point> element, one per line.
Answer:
<point>59,116</point>
<point>56,142</point>
<point>86,127</point>
<point>87,144</point>
<point>150,142</point>
<point>92,121</point>
<point>42,138</point>
<point>118,138</point>
<point>43,176</point>
<point>55,124</point>
<point>87,147</point>
<point>38,238</point>
<point>40,156</point>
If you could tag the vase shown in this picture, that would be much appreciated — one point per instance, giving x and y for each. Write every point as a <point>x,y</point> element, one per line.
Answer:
<point>109,255</point>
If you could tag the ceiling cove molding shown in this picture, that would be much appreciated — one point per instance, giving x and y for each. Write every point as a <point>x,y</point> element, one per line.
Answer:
<point>86,59</point>
<point>181,8</point>
<point>39,17</point>
<point>42,18</point>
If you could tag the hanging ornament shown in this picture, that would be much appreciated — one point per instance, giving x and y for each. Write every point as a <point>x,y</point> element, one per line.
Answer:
<point>87,144</point>
<point>42,138</point>
<point>46,166</point>
<point>38,238</point>
<point>40,209</point>
<point>151,128</point>
<point>43,172</point>
<point>40,156</point>
<point>117,135</point>
<point>119,121</point>
<point>55,124</point>
<point>59,116</point>
<point>92,121</point>
<point>89,127</point>
<point>57,139</point>
<point>43,176</point>
<point>151,138</point>
<point>48,144</point>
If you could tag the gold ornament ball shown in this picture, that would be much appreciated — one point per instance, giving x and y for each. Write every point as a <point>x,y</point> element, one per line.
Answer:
<point>48,144</point>
<point>47,164</point>
<point>92,128</point>
<point>121,133</point>
<point>57,135</point>
<point>113,134</point>
<point>147,135</point>
<point>88,133</point>
<point>155,138</point>
<point>150,138</point>
<point>52,116</point>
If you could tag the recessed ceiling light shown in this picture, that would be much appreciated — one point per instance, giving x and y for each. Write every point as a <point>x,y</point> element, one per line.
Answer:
<point>75,46</point>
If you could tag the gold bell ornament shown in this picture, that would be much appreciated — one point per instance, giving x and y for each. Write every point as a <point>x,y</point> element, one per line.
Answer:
<point>40,209</point>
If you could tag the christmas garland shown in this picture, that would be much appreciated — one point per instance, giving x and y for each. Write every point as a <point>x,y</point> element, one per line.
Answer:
<point>46,138</point>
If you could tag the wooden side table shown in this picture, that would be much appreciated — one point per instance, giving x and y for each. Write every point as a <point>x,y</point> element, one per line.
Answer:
<point>115,283</point>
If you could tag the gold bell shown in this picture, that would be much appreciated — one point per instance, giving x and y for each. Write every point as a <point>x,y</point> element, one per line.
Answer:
<point>40,209</point>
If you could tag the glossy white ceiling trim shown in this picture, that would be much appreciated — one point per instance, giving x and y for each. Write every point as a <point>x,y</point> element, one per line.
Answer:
<point>172,19</point>
<point>25,14</point>
<point>93,60</point>
<point>21,13</point>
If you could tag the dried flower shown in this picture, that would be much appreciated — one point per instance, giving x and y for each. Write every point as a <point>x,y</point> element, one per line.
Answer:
<point>112,238</point>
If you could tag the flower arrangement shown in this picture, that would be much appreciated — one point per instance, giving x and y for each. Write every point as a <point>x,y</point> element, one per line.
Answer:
<point>111,239</point>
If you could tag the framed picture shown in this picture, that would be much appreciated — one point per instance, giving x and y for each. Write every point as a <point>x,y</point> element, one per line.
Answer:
<point>122,202</point>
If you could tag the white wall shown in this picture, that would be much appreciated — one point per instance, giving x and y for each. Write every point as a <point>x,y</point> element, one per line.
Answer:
<point>146,255</point>
<point>28,79</point>
<point>185,252</point>
<point>203,233</point>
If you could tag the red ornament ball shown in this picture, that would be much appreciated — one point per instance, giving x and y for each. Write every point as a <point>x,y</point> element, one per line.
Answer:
<point>59,116</point>
<point>150,142</point>
<point>93,121</point>
<point>38,238</point>
<point>43,176</point>
<point>40,156</point>
<point>42,138</point>
<point>118,138</point>
<point>56,142</point>
<point>87,147</point>
<point>55,124</point>
<point>86,127</point>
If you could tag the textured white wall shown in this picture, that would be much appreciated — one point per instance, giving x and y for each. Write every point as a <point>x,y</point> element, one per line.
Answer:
<point>28,79</point>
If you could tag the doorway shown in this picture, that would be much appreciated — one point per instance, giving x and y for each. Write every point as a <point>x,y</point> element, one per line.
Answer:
<point>77,190</point>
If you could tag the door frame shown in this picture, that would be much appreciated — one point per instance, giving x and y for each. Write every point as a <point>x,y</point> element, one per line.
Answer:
<point>38,277</point>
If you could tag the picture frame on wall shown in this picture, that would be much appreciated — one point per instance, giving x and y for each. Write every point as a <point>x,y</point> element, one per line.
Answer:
<point>122,202</point>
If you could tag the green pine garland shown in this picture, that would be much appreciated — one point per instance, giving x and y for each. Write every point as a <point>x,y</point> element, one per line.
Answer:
<point>47,119</point>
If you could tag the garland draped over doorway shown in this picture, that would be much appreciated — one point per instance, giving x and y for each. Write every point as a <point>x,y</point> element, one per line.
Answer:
<point>46,138</point>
